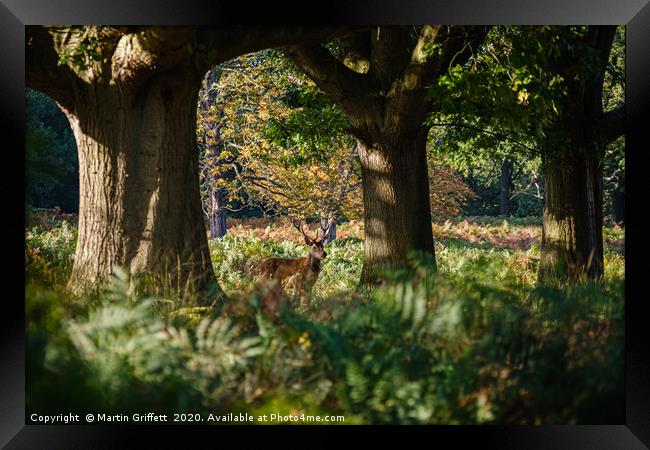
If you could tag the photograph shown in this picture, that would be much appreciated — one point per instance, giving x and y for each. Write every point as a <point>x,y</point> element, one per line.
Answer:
<point>325,224</point>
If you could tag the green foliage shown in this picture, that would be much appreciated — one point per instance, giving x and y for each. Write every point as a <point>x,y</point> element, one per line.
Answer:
<point>130,356</point>
<point>475,342</point>
<point>49,253</point>
<point>281,145</point>
<point>85,49</point>
<point>341,270</point>
<point>311,131</point>
<point>234,256</point>
<point>51,167</point>
<point>505,101</point>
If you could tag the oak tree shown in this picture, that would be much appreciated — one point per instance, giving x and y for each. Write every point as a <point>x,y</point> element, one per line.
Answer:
<point>379,78</point>
<point>130,94</point>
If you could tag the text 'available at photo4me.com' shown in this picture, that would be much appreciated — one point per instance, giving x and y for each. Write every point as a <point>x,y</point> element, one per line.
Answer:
<point>151,417</point>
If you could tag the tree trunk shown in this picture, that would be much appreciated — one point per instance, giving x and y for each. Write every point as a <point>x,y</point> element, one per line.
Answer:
<point>217,214</point>
<point>213,149</point>
<point>505,182</point>
<point>384,98</point>
<point>618,202</point>
<point>572,235</point>
<point>131,94</point>
<point>397,214</point>
<point>328,229</point>
<point>572,239</point>
<point>139,185</point>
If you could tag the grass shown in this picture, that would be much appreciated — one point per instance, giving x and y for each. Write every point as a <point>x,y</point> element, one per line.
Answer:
<point>492,249</point>
<point>476,342</point>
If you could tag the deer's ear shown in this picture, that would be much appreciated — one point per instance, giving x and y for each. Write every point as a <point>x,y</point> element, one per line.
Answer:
<point>307,241</point>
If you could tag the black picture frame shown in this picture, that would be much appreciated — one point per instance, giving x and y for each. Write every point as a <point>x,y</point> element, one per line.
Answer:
<point>635,14</point>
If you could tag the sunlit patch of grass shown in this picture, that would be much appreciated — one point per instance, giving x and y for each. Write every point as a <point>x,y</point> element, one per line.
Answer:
<point>49,252</point>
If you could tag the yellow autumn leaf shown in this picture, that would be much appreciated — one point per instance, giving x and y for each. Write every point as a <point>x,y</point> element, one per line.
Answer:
<point>522,96</point>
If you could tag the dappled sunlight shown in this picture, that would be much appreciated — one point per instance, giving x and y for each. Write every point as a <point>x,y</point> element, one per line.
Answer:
<point>387,224</point>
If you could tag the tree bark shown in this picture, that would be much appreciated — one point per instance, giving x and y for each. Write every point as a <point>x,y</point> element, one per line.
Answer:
<point>618,202</point>
<point>131,94</point>
<point>505,183</point>
<point>384,99</point>
<point>397,212</point>
<point>572,239</point>
<point>328,228</point>
<point>218,227</point>
<point>216,203</point>
<point>139,191</point>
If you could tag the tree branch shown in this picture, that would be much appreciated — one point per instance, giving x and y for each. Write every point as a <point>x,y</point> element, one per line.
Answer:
<point>131,55</point>
<point>42,71</point>
<point>455,44</point>
<point>480,130</point>
<point>228,42</point>
<point>390,53</point>
<point>144,52</point>
<point>355,51</point>
<point>346,87</point>
<point>600,38</point>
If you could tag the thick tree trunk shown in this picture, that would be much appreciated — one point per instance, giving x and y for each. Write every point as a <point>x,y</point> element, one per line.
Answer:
<point>572,239</point>
<point>505,181</point>
<point>139,185</point>
<point>397,214</point>
<point>384,98</point>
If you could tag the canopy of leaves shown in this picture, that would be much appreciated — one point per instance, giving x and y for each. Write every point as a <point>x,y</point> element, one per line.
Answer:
<point>501,104</point>
<point>283,144</point>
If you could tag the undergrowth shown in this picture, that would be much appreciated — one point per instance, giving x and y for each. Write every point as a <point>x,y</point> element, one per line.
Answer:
<point>475,342</point>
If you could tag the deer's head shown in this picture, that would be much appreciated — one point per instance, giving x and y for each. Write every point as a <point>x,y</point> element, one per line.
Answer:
<point>316,247</point>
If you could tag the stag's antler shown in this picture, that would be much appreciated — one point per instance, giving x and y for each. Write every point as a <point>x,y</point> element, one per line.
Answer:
<point>298,224</point>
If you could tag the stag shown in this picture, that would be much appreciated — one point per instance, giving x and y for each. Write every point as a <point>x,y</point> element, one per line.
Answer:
<point>301,273</point>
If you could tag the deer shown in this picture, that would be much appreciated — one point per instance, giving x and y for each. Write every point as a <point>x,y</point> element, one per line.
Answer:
<point>302,273</point>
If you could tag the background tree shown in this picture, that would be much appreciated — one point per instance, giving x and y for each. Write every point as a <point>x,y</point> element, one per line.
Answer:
<point>130,94</point>
<point>572,154</point>
<point>213,196</point>
<point>614,159</point>
<point>51,167</point>
<point>544,86</point>
<point>614,181</point>
<point>285,149</point>
<point>380,78</point>
<point>481,156</point>
<point>505,187</point>
<point>290,150</point>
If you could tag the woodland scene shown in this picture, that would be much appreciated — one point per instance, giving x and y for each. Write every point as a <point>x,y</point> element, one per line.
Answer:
<point>388,224</point>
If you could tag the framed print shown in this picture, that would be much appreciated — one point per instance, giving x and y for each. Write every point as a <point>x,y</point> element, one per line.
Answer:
<point>367,214</point>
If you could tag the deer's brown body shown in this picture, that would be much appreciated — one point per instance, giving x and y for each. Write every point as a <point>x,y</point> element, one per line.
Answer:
<point>298,274</point>
<point>304,270</point>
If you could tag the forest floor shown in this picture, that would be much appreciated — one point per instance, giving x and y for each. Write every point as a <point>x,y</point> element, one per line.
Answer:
<point>477,341</point>
<point>468,244</point>
<point>514,233</point>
